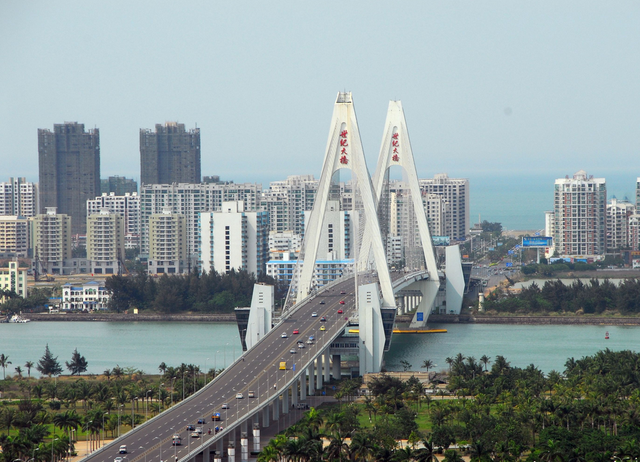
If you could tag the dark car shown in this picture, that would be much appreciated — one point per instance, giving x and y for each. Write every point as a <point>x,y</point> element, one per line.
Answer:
<point>323,319</point>
<point>191,428</point>
<point>201,421</point>
<point>342,292</point>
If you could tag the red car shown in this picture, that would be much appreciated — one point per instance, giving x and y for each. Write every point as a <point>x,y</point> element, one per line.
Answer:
<point>342,302</point>
<point>296,331</point>
<point>339,311</point>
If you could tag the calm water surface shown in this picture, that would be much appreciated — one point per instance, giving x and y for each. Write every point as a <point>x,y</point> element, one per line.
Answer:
<point>144,345</point>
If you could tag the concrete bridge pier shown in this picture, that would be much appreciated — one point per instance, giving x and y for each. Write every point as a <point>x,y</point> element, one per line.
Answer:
<point>219,449</point>
<point>285,401</point>
<point>336,367</point>
<point>327,371</point>
<point>319,373</point>
<point>276,408</point>
<point>294,394</point>
<point>206,454</point>
<point>311,372</point>
<point>256,437</point>
<point>244,446</point>
<point>303,387</point>
<point>265,417</point>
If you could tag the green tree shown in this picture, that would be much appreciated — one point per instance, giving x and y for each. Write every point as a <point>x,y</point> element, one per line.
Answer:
<point>28,365</point>
<point>4,363</point>
<point>78,363</point>
<point>48,364</point>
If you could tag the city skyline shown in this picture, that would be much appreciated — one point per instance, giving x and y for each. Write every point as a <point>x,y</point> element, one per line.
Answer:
<point>498,89</point>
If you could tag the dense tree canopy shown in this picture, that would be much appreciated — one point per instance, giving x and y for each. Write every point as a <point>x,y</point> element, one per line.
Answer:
<point>207,292</point>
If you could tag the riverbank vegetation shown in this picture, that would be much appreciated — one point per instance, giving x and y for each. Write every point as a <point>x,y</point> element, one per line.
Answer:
<point>196,292</point>
<point>593,297</point>
<point>491,412</point>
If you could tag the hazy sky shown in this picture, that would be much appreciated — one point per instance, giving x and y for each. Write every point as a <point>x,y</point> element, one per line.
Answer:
<point>512,87</point>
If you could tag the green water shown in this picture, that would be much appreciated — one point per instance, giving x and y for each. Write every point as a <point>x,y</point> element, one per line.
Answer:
<point>144,345</point>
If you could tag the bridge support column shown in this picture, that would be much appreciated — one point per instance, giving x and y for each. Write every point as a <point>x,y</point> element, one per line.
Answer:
<point>294,394</point>
<point>244,446</point>
<point>336,367</point>
<point>256,437</point>
<point>276,409</point>
<point>218,455</point>
<point>219,449</point>
<point>206,454</point>
<point>285,401</point>
<point>303,386</point>
<point>319,373</point>
<point>231,451</point>
<point>265,417</point>
<point>243,426</point>
<point>327,372</point>
<point>312,388</point>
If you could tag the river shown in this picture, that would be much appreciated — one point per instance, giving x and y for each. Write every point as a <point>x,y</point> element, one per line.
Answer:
<point>144,345</point>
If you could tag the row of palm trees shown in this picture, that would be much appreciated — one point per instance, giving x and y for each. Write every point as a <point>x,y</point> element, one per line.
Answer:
<point>4,363</point>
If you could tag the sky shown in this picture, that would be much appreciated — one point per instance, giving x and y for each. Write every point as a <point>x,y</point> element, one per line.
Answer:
<point>489,89</point>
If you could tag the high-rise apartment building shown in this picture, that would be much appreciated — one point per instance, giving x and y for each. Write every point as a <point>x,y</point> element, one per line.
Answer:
<point>14,279</point>
<point>69,165</point>
<point>19,197</point>
<point>287,200</point>
<point>234,239</point>
<point>51,241</point>
<point>455,192</point>
<point>105,241</point>
<point>171,154</point>
<point>580,211</point>
<point>167,243</point>
<point>190,200</point>
<point>118,185</point>
<point>128,206</point>
<point>618,213</point>
<point>14,236</point>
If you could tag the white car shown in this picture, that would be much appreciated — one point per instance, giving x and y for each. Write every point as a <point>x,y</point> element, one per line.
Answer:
<point>239,396</point>
<point>118,459</point>
<point>284,335</point>
<point>225,406</point>
<point>314,315</point>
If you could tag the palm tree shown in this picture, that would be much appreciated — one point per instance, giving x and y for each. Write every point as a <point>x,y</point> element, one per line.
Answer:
<point>449,361</point>
<point>28,365</point>
<point>484,359</point>
<point>361,446</point>
<point>451,455</point>
<point>4,363</point>
<point>427,364</point>
<point>338,449</point>
<point>162,368</point>
<point>427,453</point>
<point>552,452</point>
<point>19,371</point>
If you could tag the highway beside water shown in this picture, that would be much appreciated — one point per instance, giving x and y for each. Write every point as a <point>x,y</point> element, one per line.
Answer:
<point>144,345</point>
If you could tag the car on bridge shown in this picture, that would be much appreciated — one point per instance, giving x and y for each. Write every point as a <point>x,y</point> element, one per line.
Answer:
<point>300,345</point>
<point>323,328</point>
<point>225,406</point>
<point>176,440</point>
<point>251,394</point>
<point>195,435</point>
<point>314,315</point>
<point>342,302</point>
<point>342,292</point>
<point>239,396</point>
<point>123,449</point>
<point>296,331</point>
<point>323,319</point>
<point>339,311</point>
<point>215,416</point>
<point>292,351</point>
<point>322,302</point>
<point>202,421</point>
<point>284,335</point>
<point>191,428</point>
<point>118,459</point>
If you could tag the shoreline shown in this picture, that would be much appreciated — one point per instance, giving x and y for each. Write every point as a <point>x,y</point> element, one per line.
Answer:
<point>400,319</point>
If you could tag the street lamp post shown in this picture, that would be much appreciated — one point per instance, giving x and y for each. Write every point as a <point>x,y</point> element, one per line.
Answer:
<point>215,363</point>
<point>146,400</point>
<point>145,454</point>
<point>206,373</point>
<point>159,395</point>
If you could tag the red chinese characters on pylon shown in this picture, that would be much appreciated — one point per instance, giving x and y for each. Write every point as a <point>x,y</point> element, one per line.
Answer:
<point>343,144</point>
<point>395,143</point>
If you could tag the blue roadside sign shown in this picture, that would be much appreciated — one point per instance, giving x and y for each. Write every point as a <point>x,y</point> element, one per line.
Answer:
<point>508,264</point>
<point>510,252</point>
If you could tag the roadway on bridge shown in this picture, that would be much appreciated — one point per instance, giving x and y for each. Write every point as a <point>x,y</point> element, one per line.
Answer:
<point>256,370</point>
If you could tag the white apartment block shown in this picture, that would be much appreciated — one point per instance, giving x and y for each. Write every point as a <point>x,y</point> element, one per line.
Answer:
<point>87,297</point>
<point>19,197</point>
<point>618,214</point>
<point>580,209</point>
<point>50,236</point>
<point>14,236</point>
<point>287,200</point>
<point>13,278</point>
<point>455,192</point>
<point>549,231</point>
<point>337,233</point>
<point>287,241</point>
<point>105,241</point>
<point>634,231</point>
<point>325,270</point>
<point>190,200</point>
<point>167,243</point>
<point>234,239</point>
<point>128,206</point>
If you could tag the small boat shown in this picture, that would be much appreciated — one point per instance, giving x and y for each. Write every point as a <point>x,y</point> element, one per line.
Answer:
<point>606,335</point>
<point>16,318</point>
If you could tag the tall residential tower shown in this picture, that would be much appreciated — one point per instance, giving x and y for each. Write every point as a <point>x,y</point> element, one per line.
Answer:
<point>69,164</point>
<point>170,155</point>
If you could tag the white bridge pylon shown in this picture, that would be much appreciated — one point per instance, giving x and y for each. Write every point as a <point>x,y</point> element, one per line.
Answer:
<point>344,150</point>
<point>395,150</point>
